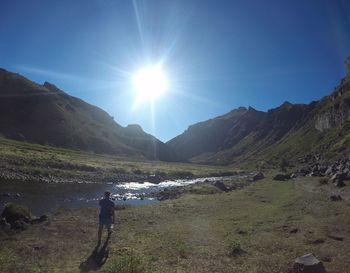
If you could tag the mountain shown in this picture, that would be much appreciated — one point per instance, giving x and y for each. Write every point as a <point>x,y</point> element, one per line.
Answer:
<point>44,114</point>
<point>290,131</point>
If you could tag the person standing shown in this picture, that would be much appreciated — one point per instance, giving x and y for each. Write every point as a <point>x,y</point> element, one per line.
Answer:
<point>106,216</point>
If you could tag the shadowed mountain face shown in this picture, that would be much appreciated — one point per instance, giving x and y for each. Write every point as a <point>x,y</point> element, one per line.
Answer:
<point>289,131</point>
<point>45,114</point>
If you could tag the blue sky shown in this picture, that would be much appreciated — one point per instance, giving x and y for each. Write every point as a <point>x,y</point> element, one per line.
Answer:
<point>218,55</point>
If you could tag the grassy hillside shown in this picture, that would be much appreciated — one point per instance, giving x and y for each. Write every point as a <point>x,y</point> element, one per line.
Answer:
<point>324,132</point>
<point>261,228</point>
<point>26,161</point>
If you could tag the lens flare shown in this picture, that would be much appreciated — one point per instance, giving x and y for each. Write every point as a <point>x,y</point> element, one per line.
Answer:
<point>150,82</point>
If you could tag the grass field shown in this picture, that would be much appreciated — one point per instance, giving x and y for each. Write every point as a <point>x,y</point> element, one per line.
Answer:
<point>25,161</point>
<point>261,228</point>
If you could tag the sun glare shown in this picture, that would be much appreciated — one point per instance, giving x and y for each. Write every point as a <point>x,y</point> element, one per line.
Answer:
<point>150,82</point>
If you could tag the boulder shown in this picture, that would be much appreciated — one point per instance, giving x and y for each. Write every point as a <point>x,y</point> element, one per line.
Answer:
<point>20,224</point>
<point>338,179</point>
<point>43,218</point>
<point>16,215</point>
<point>281,177</point>
<point>308,264</point>
<point>4,224</point>
<point>154,178</point>
<point>256,176</point>
<point>333,178</point>
<point>329,171</point>
<point>335,198</point>
<point>233,187</point>
<point>339,183</point>
<point>315,168</point>
<point>293,175</point>
<point>303,172</point>
<point>322,169</point>
<point>347,174</point>
<point>294,230</point>
<point>40,219</point>
<point>221,186</point>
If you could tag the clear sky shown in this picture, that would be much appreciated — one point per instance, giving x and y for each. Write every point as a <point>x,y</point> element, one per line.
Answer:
<point>217,55</point>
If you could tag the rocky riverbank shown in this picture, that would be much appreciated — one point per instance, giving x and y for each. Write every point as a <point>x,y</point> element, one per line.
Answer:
<point>207,187</point>
<point>338,171</point>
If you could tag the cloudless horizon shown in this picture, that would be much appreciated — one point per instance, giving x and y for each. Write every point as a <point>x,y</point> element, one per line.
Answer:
<point>217,55</point>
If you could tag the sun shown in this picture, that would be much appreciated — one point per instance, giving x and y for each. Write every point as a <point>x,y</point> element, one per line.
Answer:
<point>150,82</point>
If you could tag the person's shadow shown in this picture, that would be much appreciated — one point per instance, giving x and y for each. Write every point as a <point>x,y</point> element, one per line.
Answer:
<point>97,258</point>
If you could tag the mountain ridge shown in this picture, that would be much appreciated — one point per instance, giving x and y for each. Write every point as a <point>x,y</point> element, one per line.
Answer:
<point>45,114</point>
<point>287,131</point>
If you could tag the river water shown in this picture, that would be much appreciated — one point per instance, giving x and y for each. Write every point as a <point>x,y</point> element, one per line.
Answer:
<point>43,198</point>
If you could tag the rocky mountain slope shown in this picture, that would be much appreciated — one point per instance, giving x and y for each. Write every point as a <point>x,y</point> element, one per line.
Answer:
<point>45,114</point>
<point>290,131</point>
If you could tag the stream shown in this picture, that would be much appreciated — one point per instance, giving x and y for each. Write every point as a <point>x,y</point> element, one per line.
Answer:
<point>42,198</point>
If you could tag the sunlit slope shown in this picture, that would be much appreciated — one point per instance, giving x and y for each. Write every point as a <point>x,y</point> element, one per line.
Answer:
<point>289,131</point>
<point>45,114</point>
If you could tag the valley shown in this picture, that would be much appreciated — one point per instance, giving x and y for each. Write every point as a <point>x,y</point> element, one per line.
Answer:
<point>258,189</point>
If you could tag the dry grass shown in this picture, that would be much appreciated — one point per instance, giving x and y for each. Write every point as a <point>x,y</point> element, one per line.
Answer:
<point>39,161</point>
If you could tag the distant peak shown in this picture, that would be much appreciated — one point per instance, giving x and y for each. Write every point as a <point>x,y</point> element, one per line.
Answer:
<point>286,103</point>
<point>238,110</point>
<point>52,87</point>
<point>251,109</point>
<point>134,127</point>
<point>285,106</point>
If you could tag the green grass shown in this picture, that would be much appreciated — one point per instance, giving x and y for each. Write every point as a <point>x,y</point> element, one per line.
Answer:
<point>10,262</point>
<point>127,262</point>
<point>261,228</point>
